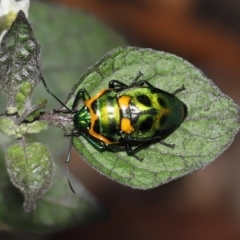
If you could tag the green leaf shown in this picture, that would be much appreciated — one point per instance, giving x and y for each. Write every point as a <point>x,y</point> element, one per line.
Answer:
<point>58,209</point>
<point>210,127</point>
<point>19,59</point>
<point>36,127</point>
<point>7,126</point>
<point>31,169</point>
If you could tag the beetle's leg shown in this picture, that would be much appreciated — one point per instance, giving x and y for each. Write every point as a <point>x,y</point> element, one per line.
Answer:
<point>82,94</point>
<point>51,93</point>
<point>142,82</point>
<point>179,90</point>
<point>167,144</point>
<point>128,148</point>
<point>118,85</point>
<point>134,82</point>
<point>68,160</point>
<point>74,133</point>
<point>64,111</point>
<point>100,146</point>
<point>133,152</point>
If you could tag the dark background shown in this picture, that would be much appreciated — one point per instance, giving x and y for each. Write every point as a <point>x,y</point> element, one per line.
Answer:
<point>202,205</point>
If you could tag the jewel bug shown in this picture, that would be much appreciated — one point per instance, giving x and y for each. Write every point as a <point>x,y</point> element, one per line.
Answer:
<point>125,117</point>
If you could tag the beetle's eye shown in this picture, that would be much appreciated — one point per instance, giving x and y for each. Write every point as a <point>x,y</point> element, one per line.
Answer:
<point>146,125</point>
<point>145,100</point>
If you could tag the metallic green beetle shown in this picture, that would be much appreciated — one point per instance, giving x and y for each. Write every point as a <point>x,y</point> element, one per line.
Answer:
<point>127,117</point>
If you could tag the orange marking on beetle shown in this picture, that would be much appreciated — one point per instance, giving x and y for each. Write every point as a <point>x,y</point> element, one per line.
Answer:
<point>123,102</point>
<point>126,125</point>
<point>94,117</point>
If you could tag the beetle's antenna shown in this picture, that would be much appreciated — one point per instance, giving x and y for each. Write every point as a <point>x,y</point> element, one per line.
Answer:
<point>67,161</point>
<point>69,182</point>
<point>51,93</point>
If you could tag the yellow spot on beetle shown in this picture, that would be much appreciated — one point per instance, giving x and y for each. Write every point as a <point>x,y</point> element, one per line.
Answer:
<point>126,126</point>
<point>123,102</point>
